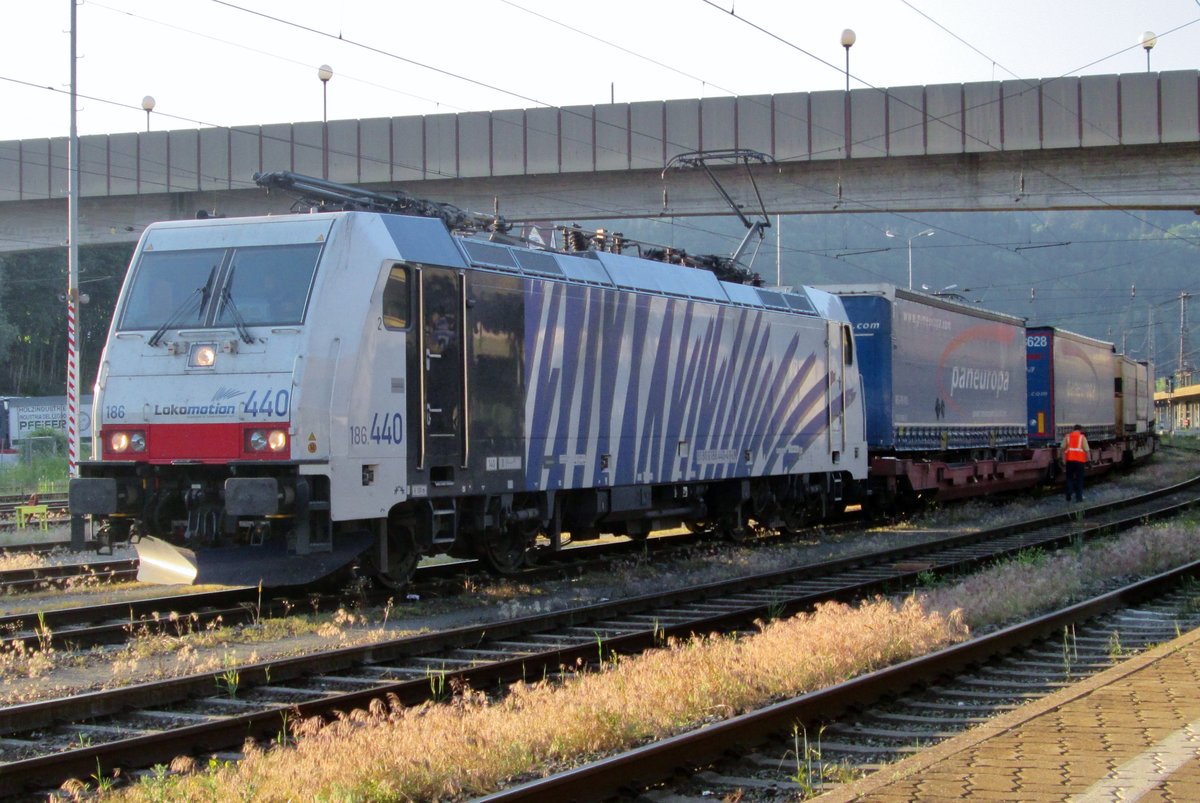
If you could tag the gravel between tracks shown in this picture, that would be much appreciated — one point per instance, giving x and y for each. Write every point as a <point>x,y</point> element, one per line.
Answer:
<point>170,649</point>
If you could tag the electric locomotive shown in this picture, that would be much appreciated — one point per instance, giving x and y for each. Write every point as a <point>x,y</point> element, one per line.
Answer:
<point>280,397</point>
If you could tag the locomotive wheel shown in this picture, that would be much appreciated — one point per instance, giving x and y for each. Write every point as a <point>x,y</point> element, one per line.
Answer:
<point>794,522</point>
<point>403,557</point>
<point>505,551</point>
<point>736,529</point>
<point>637,532</point>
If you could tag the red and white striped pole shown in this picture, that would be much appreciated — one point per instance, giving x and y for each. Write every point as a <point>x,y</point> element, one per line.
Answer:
<point>77,523</point>
<point>73,434</point>
<point>73,275</point>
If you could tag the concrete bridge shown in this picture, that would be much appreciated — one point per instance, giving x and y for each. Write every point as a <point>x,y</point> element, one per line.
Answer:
<point>1104,141</point>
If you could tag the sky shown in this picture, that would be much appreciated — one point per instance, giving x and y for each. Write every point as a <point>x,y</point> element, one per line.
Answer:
<point>246,62</point>
<point>252,62</point>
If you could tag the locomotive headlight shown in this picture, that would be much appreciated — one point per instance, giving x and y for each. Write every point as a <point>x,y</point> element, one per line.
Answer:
<point>277,440</point>
<point>121,442</point>
<point>202,355</point>
<point>263,440</point>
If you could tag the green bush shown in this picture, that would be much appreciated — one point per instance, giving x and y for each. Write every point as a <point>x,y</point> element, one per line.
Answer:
<point>43,467</point>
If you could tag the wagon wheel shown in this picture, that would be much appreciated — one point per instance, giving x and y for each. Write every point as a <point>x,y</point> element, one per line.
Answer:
<point>403,557</point>
<point>505,550</point>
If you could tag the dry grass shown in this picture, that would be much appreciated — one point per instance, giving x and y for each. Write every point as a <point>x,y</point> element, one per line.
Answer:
<point>173,645</point>
<point>88,590</point>
<point>472,745</point>
<point>11,561</point>
<point>1053,581</point>
<point>57,556</point>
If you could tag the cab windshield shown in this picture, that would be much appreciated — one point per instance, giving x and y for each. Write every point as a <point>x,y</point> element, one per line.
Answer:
<point>251,286</point>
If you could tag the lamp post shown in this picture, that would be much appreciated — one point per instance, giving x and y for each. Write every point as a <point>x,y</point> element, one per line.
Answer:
<point>1149,40</point>
<point>148,105</point>
<point>325,72</point>
<point>926,233</point>
<point>848,39</point>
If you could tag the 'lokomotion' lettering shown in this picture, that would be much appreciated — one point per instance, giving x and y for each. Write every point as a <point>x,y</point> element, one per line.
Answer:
<point>984,379</point>
<point>194,409</point>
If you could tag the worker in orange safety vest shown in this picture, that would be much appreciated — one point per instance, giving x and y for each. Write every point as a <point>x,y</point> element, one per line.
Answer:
<point>1075,454</point>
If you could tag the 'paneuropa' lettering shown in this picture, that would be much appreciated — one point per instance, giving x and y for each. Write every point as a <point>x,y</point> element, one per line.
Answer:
<point>978,379</point>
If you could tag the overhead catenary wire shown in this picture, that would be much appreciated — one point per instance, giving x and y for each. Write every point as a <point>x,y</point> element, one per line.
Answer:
<point>783,40</point>
<point>465,78</point>
<point>921,222</point>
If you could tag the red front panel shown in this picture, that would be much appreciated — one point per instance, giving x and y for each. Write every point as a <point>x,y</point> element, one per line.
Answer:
<point>207,443</point>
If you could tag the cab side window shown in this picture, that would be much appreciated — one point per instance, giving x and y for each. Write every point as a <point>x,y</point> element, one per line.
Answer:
<point>396,299</point>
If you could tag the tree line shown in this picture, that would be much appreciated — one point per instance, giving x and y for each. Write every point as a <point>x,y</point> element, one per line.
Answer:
<point>33,316</point>
<point>1112,275</point>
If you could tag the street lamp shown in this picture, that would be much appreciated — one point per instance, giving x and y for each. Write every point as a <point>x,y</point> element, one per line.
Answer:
<point>848,39</point>
<point>148,105</point>
<point>1149,40</point>
<point>324,72</point>
<point>926,233</point>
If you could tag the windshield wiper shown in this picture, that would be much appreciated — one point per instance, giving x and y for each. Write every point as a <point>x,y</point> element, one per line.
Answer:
<point>208,286</point>
<point>238,320</point>
<point>176,316</point>
<point>204,292</point>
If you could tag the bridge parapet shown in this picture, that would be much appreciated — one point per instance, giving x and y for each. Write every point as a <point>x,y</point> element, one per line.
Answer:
<point>1091,111</point>
<point>866,150</point>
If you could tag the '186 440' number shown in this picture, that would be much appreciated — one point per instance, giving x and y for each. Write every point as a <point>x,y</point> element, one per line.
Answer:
<point>384,428</point>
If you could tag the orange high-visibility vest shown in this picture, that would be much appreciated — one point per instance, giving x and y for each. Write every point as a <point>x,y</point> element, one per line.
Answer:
<point>1075,451</point>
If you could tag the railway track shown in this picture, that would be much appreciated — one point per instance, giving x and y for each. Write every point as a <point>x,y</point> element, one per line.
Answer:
<point>87,625</point>
<point>849,733</point>
<point>14,581</point>
<point>37,547</point>
<point>56,509</point>
<point>151,723</point>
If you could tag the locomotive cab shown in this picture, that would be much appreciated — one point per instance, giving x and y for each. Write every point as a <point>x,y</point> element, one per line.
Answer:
<point>195,453</point>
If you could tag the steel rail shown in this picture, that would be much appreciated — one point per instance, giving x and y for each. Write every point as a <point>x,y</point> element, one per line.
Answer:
<point>157,747</point>
<point>58,625</point>
<point>37,546</point>
<point>58,574</point>
<point>88,625</point>
<point>646,765</point>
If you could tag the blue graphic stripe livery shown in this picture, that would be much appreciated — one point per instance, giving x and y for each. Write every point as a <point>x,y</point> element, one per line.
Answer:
<point>669,390</point>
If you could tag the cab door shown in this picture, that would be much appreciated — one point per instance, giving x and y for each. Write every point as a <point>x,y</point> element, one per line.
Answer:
<point>835,386</point>
<point>442,352</point>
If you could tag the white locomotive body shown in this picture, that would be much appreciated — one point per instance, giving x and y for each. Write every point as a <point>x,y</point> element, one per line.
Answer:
<point>282,396</point>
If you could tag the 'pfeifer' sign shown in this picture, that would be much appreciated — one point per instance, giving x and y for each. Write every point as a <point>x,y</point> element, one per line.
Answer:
<point>26,416</point>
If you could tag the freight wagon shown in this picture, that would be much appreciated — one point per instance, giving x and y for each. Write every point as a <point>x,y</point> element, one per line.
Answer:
<point>946,395</point>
